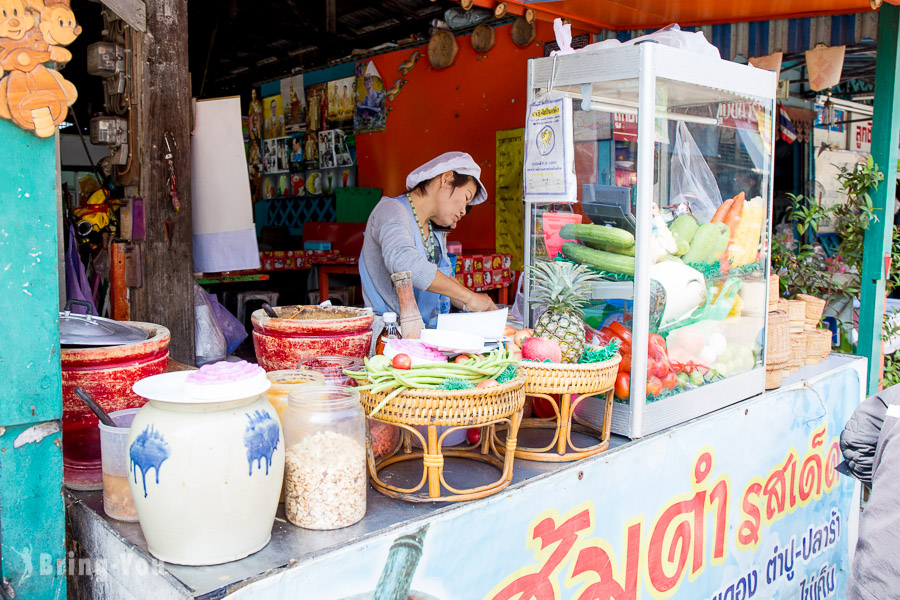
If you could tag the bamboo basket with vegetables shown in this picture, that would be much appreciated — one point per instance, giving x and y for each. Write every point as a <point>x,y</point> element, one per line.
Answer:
<point>476,393</point>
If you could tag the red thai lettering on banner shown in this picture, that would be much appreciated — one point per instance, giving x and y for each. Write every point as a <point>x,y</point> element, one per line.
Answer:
<point>831,463</point>
<point>595,568</point>
<point>795,482</point>
<point>719,496</point>
<point>541,582</point>
<point>748,529</point>
<point>678,535</point>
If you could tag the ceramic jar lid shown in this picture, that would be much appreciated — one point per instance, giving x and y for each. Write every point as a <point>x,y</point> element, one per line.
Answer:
<point>219,382</point>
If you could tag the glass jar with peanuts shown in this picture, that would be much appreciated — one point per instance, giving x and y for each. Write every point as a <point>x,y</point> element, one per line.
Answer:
<point>325,477</point>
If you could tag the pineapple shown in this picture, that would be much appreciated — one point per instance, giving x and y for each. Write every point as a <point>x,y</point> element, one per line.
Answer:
<point>562,289</point>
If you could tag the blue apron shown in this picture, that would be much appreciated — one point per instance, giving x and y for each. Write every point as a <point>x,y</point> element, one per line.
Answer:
<point>430,304</point>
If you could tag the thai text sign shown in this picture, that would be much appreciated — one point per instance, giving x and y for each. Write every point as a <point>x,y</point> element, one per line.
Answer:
<point>744,503</point>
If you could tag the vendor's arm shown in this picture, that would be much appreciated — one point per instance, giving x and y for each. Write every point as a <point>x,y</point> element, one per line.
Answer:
<point>391,227</point>
<point>460,296</point>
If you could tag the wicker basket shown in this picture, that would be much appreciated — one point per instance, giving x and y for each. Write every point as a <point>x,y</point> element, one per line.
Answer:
<point>488,408</point>
<point>818,345</point>
<point>814,309</point>
<point>472,407</point>
<point>813,352</point>
<point>774,294</point>
<point>773,378</point>
<point>778,344</point>
<point>557,378</point>
<point>796,310</point>
<point>798,354</point>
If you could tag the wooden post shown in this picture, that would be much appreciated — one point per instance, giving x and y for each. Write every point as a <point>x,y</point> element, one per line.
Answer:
<point>167,294</point>
<point>32,518</point>
<point>885,131</point>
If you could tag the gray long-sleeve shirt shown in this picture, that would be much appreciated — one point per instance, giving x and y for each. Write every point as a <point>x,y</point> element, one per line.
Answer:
<point>870,444</point>
<point>390,247</point>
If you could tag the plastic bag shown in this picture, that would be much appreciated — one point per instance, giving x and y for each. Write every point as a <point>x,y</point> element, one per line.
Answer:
<point>232,328</point>
<point>692,180</point>
<point>209,341</point>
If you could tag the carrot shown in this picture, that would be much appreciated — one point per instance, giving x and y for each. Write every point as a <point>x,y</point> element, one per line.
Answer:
<point>722,210</point>
<point>733,220</point>
<point>733,217</point>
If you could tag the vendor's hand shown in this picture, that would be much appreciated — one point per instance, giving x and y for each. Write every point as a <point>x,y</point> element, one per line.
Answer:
<point>480,303</point>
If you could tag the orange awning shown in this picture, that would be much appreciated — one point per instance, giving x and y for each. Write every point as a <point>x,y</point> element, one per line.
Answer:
<point>593,15</point>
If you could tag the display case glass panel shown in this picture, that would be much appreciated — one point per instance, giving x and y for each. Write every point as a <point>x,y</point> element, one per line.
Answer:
<point>679,156</point>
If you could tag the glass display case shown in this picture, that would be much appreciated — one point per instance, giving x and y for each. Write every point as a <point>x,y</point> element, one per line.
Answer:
<point>674,149</point>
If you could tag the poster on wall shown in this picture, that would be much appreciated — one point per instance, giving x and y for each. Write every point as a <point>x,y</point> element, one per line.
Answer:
<point>255,116</point>
<point>698,513</point>
<point>333,150</point>
<point>293,99</point>
<point>510,153</point>
<point>311,150</point>
<point>296,153</point>
<point>316,107</point>
<point>277,185</point>
<point>550,152</point>
<point>276,155</point>
<point>273,111</point>
<point>370,114</point>
<point>341,94</point>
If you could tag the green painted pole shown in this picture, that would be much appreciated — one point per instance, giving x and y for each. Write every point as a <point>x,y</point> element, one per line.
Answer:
<point>32,517</point>
<point>885,133</point>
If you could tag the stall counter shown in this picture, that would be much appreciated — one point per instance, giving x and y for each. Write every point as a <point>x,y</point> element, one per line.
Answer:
<point>740,503</point>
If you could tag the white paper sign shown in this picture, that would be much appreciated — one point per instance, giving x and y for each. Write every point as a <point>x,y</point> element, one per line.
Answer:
<point>550,152</point>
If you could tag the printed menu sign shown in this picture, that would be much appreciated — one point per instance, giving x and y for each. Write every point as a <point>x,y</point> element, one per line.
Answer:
<point>549,152</point>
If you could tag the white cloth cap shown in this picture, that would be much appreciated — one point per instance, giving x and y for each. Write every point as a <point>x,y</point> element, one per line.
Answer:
<point>459,162</point>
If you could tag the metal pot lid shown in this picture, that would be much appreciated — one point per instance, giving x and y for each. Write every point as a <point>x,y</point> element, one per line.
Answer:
<point>76,329</point>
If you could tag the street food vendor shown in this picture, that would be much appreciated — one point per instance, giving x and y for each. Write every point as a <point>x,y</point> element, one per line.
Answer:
<point>409,233</point>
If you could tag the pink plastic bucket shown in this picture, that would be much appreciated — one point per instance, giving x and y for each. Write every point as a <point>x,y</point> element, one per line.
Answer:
<point>553,222</point>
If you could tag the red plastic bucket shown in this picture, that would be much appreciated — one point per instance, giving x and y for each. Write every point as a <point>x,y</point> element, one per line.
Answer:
<point>107,372</point>
<point>309,331</point>
<point>552,223</point>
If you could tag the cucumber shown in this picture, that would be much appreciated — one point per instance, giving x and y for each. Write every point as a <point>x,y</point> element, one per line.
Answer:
<point>708,244</point>
<point>598,259</point>
<point>614,249</point>
<point>597,234</point>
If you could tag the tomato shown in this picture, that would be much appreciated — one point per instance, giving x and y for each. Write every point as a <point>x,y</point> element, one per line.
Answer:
<point>401,361</point>
<point>652,366</point>
<point>522,335</point>
<point>623,386</point>
<point>676,366</point>
<point>487,383</point>
<point>625,365</point>
<point>654,386</point>
<point>670,381</point>
<point>621,332</point>
<point>656,340</point>
<point>509,331</point>
<point>461,358</point>
<point>474,435</point>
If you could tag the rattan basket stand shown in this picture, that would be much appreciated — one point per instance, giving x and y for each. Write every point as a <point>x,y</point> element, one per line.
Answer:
<point>573,383</point>
<point>488,408</point>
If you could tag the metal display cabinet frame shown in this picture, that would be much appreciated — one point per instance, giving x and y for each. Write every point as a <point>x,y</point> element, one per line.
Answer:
<point>660,84</point>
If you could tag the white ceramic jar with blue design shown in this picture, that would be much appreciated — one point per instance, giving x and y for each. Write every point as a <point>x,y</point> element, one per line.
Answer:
<point>206,463</point>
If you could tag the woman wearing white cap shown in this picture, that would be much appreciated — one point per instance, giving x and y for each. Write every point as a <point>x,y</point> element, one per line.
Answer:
<point>401,236</point>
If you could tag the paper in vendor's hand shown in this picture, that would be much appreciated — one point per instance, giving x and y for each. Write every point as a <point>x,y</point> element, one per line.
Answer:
<point>825,65</point>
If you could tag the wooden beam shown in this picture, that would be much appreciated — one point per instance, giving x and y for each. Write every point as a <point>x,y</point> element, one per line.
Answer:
<point>885,131</point>
<point>32,520</point>
<point>331,16</point>
<point>167,294</point>
<point>133,12</point>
